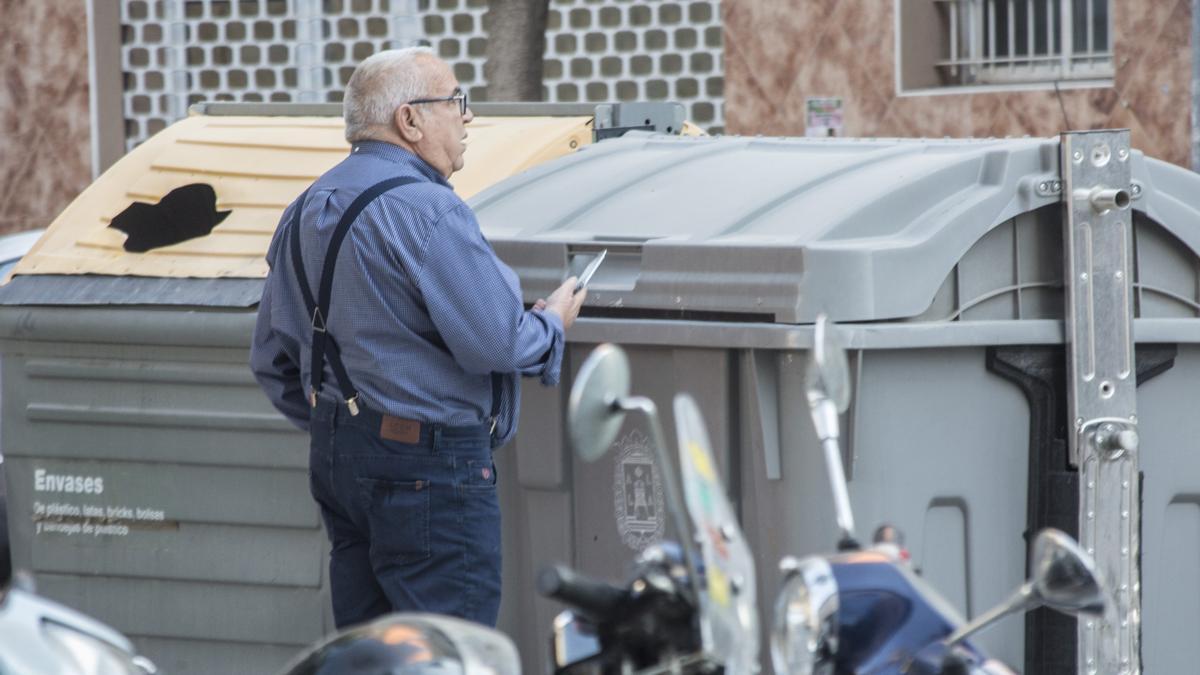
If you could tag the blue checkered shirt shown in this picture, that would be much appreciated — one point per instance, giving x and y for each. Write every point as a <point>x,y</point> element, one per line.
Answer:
<point>422,310</point>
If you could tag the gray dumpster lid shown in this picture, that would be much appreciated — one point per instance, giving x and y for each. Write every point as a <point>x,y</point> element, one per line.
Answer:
<point>774,229</point>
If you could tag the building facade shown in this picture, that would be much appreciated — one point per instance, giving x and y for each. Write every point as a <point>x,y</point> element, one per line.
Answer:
<point>965,68</point>
<point>45,121</point>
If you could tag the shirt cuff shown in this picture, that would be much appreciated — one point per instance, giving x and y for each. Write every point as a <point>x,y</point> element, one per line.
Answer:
<point>552,369</point>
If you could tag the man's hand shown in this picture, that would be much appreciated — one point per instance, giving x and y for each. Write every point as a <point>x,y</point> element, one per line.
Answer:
<point>564,302</point>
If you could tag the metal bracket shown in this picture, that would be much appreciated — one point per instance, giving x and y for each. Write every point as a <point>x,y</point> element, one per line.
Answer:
<point>614,119</point>
<point>1102,386</point>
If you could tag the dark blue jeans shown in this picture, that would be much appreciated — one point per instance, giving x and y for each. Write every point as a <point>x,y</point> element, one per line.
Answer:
<point>413,526</point>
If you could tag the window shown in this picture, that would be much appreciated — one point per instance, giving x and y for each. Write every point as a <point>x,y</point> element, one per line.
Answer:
<point>955,43</point>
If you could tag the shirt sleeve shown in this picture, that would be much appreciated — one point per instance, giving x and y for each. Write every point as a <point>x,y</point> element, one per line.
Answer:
<point>275,358</point>
<point>474,299</point>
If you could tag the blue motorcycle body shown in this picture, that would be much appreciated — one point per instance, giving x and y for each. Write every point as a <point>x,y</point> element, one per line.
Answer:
<point>890,621</point>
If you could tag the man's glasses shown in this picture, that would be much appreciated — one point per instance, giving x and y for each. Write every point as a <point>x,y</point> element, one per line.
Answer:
<point>459,96</point>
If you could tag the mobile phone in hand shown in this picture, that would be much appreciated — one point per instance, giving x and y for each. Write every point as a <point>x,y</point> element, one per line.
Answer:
<point>589,271</point>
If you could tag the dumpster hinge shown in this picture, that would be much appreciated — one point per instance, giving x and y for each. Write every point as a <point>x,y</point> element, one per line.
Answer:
<point>1101,385</point>
<point>613,120</point>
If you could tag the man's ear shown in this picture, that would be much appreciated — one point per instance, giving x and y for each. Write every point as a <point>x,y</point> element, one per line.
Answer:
<point>408,123</point>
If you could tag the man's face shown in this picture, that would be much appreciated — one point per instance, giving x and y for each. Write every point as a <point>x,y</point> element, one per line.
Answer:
<point>442,123</point>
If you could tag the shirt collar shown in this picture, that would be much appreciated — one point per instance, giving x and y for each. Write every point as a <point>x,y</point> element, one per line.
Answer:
<point>394,153</point>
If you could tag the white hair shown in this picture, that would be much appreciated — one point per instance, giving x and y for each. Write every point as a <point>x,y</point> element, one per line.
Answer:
<point>380,84</point>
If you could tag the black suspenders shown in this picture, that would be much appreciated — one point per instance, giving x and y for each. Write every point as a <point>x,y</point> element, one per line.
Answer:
<point>318,309</point>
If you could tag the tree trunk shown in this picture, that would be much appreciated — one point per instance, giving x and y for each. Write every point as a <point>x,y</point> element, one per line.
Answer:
<point>516,38</point>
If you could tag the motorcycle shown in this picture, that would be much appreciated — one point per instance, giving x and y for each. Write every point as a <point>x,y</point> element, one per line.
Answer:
<point>863,610</point>
<point>860,610</point>
<point>688,608</point>
<point>40,637</point>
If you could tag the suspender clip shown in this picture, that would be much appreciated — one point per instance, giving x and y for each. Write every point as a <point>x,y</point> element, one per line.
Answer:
<point>493,431</point>
<point>318,321</point>
<point>312,397</point>
<point>352,404</point>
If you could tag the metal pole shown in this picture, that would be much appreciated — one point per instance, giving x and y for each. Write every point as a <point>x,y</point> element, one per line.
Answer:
<point>1050,31</point>
<point>105,90</point>
<point>1066,27</point>
<point>94,89</point>
<point>1011,20</point>
<point>954,41</point>
<point>993,35</point>
<point>1091,20</point>
<point>405,28</point>
<point>1030,39</point>
<point>309,51</point>
<point>1196,85</point>
<point>975,35</point>
<point>177,66</point>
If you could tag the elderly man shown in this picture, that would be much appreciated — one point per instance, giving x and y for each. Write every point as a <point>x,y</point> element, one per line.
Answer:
<point>406,377</point>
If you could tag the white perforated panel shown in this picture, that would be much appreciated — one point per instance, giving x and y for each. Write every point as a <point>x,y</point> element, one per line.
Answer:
<point>179,52</point>
<point>603,50</point>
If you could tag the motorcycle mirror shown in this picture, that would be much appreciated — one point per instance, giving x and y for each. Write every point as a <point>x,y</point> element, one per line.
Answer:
<point>593,410</point>
<point>829,374</point>
<point>1063,578</point>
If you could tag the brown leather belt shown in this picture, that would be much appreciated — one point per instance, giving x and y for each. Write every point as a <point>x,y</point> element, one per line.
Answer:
<point>414,432</point>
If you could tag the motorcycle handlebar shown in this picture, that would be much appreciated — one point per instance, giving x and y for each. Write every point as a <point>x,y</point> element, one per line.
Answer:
<point>596,598</point>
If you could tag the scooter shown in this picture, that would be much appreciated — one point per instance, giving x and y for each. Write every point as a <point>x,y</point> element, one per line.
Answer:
<point>864,611</point>
<point>40,637</point>
<point>687,608</point>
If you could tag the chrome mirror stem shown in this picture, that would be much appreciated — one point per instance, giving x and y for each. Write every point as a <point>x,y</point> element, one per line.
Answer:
<point>1022,598</point>
<point>825,420</point>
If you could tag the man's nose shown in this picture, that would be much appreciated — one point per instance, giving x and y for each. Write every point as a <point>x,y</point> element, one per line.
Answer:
<point>468,116</point>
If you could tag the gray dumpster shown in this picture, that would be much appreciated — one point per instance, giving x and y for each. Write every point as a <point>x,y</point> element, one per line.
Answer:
<point>129,394</point>
<point>150,483</point>
<point>944,262</point>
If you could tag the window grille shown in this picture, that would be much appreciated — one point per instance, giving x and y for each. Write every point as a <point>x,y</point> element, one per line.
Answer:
<point>1019,41</point>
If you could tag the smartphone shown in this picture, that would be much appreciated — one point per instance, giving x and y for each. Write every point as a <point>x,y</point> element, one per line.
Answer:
<point>589,271</point>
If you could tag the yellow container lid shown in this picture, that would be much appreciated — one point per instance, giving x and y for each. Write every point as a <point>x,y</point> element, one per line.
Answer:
<point>257,164</point>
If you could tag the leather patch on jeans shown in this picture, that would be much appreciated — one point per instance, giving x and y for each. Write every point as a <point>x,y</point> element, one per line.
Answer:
<point>400,430</point>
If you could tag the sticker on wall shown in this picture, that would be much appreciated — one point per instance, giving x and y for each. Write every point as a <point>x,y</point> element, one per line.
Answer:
<point>638,493</point>
<point>823,117</point>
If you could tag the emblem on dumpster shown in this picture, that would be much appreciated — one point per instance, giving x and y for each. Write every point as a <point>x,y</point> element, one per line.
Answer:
<point>638,493</point>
